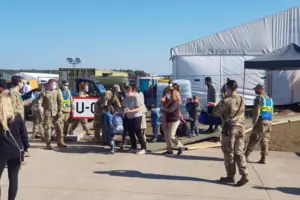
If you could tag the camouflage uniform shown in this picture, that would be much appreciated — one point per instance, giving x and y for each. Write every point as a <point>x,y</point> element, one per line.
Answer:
<point>52,104</point>
<point>107,98</point>
<point>65,119</point>
<point>261,130</point>
<point>83,122</point>
<point>38,118</point>
<point>17,101</point>
<point>232,111</point>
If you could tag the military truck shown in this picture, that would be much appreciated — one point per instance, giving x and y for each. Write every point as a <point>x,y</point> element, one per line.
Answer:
<point>98,80</point>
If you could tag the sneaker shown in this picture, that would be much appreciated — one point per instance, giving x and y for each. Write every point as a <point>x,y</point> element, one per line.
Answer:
<point>141,152</point>
<point>133,151</point>
<point>112,151</point>
<point>154,140</point>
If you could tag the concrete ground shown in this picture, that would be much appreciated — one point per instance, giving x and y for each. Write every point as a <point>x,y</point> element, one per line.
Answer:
<point>87,172</point>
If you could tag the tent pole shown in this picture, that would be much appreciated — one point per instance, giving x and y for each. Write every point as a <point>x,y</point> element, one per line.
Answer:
<point>244,82</point>
<point>293,74</point>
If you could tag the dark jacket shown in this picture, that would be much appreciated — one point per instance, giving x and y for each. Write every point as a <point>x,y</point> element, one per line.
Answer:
<point>171,110</point>
<point>19,132</point>
<point>194,110</point>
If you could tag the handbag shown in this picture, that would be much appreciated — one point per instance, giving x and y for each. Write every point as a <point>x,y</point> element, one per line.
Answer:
<point>21,151</point>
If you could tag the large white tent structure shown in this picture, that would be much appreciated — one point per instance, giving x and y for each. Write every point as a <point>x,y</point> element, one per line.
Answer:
<point>223,54</point>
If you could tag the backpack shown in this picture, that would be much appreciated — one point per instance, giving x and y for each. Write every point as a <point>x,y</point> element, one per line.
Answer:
<point>117,121</point>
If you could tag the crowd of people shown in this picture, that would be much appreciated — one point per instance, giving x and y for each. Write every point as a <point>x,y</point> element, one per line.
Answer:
<point>124,112</point>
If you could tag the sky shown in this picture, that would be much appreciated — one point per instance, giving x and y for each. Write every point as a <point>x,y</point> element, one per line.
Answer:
<point>115,34</point>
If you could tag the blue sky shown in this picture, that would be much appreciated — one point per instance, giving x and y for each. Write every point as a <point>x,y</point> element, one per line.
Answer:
<point>115,34</point>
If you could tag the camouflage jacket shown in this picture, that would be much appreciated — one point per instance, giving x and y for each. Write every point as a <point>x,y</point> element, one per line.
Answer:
<point>231,110</point>
<point>51,102</point>
<point>257,110</point>
<point>17,101</point>
<point>107,98</point>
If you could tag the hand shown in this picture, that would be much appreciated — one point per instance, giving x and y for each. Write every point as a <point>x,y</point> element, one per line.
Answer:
<point>163,99</point>
<point>126,109</point>
<point>211,104</point>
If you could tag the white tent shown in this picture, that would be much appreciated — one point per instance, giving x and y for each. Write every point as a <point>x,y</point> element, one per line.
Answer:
<point>223,54</point>
<point>41,77</point>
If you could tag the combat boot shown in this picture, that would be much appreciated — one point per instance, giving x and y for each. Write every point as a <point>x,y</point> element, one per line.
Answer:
<point>243,180</point>
<point>227,179</point>
<point>262,160</point>
<point>247,159</point>
<point>48,146</point>
<point>61,143</point>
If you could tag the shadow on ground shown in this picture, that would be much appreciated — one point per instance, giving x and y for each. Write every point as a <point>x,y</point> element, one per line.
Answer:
<point>287,190</point>
<point>138,174</point>
<point>190,157</point>
<point>298,154</point>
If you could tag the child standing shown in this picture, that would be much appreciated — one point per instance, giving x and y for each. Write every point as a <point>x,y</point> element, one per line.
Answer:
<point>155,121</point>
<point>109,127</point>
<point>194,113</point>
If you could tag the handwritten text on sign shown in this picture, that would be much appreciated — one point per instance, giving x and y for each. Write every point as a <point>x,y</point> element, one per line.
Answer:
<point>84,107</point>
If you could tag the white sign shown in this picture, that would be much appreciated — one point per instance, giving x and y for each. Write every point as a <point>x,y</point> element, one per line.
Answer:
<point>84,107</point>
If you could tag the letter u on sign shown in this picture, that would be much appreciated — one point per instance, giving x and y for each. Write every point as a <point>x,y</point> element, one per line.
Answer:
<point>84,107</point>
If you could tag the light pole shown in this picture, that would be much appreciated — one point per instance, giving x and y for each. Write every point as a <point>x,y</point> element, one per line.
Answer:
<point>73,62</point>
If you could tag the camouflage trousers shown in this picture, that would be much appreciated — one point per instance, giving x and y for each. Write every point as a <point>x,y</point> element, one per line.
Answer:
<point>38,119</point>
<point>63,124</point>
<point>260,134</point>
<point>99,130</point>
<point>49,121</point>
<point>83,123</point>
<point>233,150</point>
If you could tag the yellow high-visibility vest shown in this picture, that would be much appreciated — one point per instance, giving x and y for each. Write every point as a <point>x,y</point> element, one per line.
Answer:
<point>66,100</point>
<point>267,108</point>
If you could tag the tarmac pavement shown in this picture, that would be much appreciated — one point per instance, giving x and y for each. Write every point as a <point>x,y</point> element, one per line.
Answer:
<point>88,172</point>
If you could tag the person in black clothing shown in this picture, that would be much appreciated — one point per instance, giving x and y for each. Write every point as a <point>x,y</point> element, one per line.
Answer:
<point>13,138</point>
<point>193,109</point>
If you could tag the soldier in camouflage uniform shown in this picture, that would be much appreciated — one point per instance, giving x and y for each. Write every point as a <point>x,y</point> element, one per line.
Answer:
<point>232,111</point>
<point>107,99</point>
<point>51,101</point>
<point>261,123</point>
<point>16,96</point>
<point>67,102</point>
<point>38,116</point>
<point>83,122</point>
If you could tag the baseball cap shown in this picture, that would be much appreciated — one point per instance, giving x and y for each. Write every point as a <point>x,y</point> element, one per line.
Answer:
<point>258,86</point>
<point>116,87</point>
<point>65,82</point>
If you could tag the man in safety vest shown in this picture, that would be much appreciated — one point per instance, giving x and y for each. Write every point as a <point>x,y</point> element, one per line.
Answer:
<point>67,102</point>
<point>223,89</point>
<point>83,93</point>
<point>262,122</point>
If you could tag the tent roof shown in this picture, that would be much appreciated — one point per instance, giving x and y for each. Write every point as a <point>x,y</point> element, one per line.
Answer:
<point>256,38</point>
<point>35,76</point>
<point>283,59</point>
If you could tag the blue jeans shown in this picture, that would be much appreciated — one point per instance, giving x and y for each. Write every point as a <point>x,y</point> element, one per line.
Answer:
<point>111,139</point>
<point>155,128</point>
<point>194,126</point>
